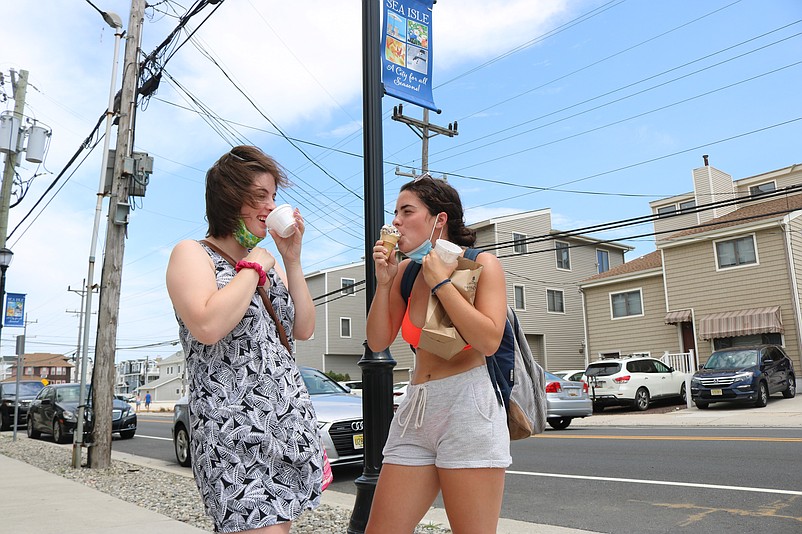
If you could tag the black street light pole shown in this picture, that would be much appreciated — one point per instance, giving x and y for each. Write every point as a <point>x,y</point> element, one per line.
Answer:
<point>377,368</point>
<point>5,260</point>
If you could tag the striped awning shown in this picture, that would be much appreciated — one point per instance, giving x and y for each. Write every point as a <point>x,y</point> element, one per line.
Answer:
<point>679,316</point>
<point>741,323</point>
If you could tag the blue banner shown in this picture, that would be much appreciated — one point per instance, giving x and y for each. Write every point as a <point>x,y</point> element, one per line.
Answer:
<point>407,51</point>
<point>15,309</point>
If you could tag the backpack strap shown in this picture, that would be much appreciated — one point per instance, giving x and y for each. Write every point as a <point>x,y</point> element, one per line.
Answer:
<point>408,279</point>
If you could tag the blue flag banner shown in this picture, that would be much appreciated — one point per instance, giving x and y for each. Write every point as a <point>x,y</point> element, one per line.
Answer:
<point>407,51</point>
<point>15,310</point>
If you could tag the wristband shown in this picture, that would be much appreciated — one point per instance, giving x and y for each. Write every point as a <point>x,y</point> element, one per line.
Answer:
<point>438,286</point>
<point>242,264</point>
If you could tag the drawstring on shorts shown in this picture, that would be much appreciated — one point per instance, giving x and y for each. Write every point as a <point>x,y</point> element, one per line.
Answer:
<point>415,407</point>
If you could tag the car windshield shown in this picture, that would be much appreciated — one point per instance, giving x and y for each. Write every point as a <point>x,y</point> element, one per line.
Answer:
<point>732,359</point>
<point>603,369</point>
<point>319,384</point>
<point>26,389</point>
<point>68,394</point>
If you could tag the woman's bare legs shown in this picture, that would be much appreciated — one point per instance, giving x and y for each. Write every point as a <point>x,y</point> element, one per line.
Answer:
<point>472,498</point>
<point>403,496</point>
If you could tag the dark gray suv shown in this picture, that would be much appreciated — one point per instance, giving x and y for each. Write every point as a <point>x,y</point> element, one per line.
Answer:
<point>744,374</point>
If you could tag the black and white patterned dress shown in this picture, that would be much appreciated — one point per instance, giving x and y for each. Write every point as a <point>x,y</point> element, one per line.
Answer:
<point>256,451</point>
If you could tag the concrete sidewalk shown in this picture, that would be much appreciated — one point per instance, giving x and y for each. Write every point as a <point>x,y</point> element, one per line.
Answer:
<point>70,503</point>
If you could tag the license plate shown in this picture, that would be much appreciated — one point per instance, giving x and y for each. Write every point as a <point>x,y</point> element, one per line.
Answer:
<point>598,383</point>
<point>573,394</point>
<point>715,392</point>
<point>359,441</point>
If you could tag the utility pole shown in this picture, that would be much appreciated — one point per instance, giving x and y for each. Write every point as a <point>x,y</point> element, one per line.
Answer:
<point>80,314</point>
<point>425,130</point>
<point>20,88</point>
<point>109,307</point>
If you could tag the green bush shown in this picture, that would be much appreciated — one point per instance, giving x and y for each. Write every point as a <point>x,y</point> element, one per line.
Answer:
<point>337,377</point>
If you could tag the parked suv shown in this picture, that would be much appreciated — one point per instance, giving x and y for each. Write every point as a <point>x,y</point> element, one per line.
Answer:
<point>744,374</point>
<point>8,391</point>
<point>633,382</point>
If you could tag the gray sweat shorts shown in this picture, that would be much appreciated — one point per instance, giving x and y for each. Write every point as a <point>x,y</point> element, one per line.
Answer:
<point>455,422</point>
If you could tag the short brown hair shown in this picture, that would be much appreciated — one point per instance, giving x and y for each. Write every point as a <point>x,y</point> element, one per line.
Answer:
<point>229,182</point>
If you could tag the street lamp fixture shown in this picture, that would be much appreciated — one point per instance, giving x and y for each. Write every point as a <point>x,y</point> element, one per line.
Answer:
<point>5,260</point>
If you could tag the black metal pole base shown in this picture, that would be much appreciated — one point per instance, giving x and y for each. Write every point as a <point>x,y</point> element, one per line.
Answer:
<point>377,411</point>
<point>365,488</point>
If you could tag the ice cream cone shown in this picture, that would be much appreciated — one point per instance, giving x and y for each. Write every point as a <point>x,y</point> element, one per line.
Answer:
<point>389,242</point>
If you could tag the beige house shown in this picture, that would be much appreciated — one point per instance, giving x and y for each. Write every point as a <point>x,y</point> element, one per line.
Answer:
<point>543,267</point>
<point>722,275</point>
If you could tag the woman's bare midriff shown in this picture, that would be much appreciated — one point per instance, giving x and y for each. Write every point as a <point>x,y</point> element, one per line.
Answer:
<point>429,366</point>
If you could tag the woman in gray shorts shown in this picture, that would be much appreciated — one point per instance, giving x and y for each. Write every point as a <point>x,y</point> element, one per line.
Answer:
<point>450,433</point>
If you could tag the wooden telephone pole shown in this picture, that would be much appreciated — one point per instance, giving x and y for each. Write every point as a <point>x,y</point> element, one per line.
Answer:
<point>425,130</point>
<point>109,306</point>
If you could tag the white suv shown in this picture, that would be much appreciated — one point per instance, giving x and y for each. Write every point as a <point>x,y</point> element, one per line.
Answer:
<point>633,382</point>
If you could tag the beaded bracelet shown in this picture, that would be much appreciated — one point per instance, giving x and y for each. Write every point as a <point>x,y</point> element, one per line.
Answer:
<point>438,286</point>
<point>242,264</point>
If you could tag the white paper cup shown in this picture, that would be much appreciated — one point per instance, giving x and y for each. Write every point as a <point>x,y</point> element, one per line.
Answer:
<point>448,251</point>
<point>281,220</point>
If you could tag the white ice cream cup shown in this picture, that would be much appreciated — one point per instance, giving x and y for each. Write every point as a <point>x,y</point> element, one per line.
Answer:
<point>281,220</point>
<point>448,251</point>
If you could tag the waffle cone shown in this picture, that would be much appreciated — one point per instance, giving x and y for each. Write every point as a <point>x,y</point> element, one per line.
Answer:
<point>389,242</point>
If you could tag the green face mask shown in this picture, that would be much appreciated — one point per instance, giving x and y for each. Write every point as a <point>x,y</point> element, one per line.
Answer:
<point>244,236</point>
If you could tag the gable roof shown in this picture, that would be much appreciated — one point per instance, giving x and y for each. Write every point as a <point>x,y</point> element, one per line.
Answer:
<point>45,359</point>
<point>747,215</point>
<point>647,262</point>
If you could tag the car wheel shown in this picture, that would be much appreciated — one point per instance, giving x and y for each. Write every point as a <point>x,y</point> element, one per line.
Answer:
<point>32,432</point>
<point>181,443</point>
<point>642,399</point>
<point>683,394</point>
<point>702,405</point>
<point>59,436</point>
<point>790,390</point>
<point>762,395</point>
<point>127,434</point>
<point>559,423</point>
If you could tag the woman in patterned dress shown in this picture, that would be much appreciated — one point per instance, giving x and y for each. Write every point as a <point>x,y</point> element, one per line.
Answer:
<point>256,451</point>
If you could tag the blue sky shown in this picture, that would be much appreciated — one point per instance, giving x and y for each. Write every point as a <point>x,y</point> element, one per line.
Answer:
<point>606,104</point>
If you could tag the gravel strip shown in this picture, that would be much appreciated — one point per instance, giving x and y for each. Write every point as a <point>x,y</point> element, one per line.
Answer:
<point>160,491</point>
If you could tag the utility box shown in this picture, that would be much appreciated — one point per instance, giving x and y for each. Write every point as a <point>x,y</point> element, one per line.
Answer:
<point>138,168</point>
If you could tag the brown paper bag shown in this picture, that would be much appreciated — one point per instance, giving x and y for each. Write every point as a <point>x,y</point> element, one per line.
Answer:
<point>439,336</point>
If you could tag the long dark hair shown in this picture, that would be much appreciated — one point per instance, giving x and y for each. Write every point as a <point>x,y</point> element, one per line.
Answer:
<point>229,182</point>
<point>438,196</point>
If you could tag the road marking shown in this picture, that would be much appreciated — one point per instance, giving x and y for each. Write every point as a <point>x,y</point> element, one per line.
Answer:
<point>659,482</point>
<point>154,437</point>
<point>670,438</point>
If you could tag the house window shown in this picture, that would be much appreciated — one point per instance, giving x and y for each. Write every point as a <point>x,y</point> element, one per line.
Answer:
<point>687,206</point>
<point>345,327</point>
<point>563,255</point>
<point>554,301</point>
<point>627,304</point>
<point>520,299</point>
<point>666,210</point>
<point>602,260</point>
<point>519,241</point>
<point>762,189</point>
<point>771,338</point>
<point>736,252</point>
<point>347,285</point>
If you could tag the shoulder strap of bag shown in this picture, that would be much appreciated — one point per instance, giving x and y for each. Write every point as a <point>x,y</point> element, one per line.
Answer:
<point>408,279</point>
<point>262,293</point>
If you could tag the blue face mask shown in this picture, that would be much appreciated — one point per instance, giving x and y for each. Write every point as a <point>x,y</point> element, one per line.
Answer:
<point>418,253</point>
